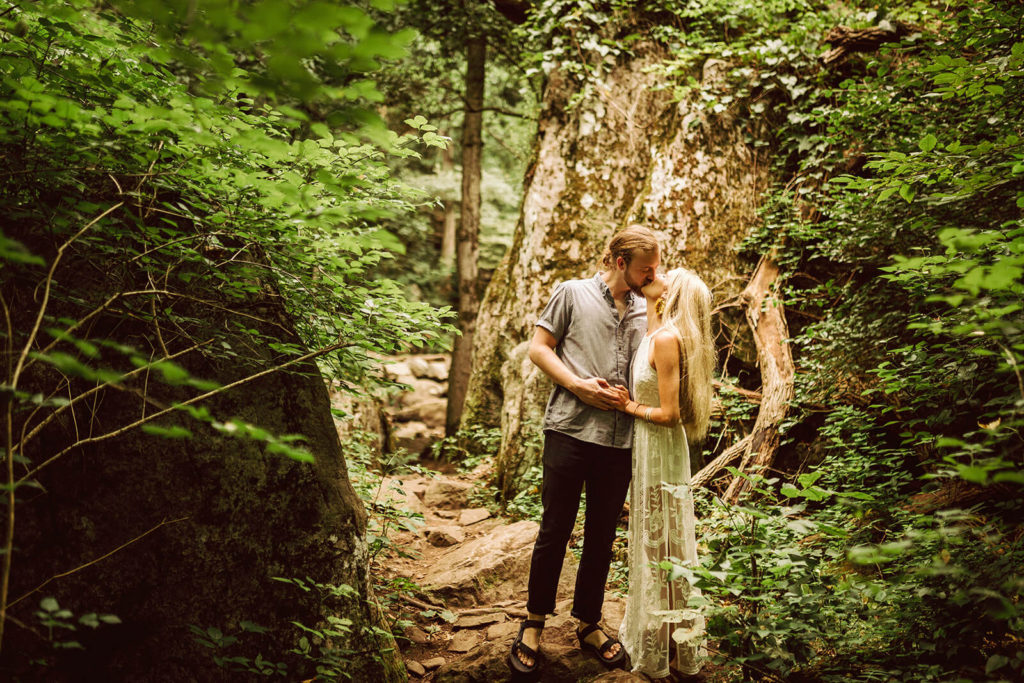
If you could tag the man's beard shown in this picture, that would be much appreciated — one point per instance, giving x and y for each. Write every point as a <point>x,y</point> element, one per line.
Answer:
<point>635,287</point>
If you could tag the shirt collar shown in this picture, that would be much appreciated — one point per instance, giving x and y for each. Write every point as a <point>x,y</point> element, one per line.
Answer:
<point>631,297</point>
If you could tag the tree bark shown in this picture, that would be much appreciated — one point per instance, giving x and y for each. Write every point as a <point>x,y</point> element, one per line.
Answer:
<point>767,319</point>
<point>468,232</point>
<point>448,233</point>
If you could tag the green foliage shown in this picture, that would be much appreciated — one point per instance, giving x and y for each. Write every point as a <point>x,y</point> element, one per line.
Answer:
<point>192,186</point>
<point>429,81</point>
<point>374,477</point>
<point>52,616</point>
<point>527,503</point>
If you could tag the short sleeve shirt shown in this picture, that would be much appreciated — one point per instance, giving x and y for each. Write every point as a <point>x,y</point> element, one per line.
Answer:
<point>593,341</point>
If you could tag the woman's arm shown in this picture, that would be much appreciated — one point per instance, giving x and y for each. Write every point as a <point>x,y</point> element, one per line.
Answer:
<point>666,362</point>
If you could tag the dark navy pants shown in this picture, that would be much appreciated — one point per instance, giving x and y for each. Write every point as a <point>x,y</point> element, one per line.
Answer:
<point>570,465</point>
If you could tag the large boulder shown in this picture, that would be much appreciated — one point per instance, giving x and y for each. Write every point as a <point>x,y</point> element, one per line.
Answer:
<point>177,535</point>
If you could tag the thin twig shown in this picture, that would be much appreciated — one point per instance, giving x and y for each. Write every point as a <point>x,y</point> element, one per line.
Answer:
<point>49,418</point>
<point>46,293</point>
<point>98,559</point>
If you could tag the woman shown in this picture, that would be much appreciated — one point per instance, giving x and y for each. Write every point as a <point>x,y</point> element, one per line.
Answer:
<point>672,385</point>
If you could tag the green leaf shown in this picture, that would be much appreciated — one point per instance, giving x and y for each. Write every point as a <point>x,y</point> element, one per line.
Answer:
<point>171,432</point>
<point>172,373</point>
<point>908,192</point>
<point>15,252</point>
<point>789,491</point>
<point>927,143</point>
<point>808,478</point>
<point>49,604</point>
<point>973,473</point>
<point>995,662</point>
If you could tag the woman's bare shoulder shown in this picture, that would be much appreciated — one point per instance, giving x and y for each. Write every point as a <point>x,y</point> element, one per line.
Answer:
<point>665,339</point>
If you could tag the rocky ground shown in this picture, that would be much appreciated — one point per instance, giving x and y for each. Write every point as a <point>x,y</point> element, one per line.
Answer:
<point>471,567</point>
<point>475,566</point>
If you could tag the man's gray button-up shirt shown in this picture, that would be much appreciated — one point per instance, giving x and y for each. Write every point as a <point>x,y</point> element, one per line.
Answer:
<point>593,342</point>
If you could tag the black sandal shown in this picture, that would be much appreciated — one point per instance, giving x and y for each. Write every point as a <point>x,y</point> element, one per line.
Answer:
<point>610,662</point>
<point>517,665</point>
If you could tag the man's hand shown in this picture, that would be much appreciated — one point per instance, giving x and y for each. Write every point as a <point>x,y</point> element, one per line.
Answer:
<point>596,392</point>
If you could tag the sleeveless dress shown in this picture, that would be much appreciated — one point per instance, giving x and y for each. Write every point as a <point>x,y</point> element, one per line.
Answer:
<point>658,617</point>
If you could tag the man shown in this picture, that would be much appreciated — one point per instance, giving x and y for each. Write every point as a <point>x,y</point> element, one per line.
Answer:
<point>584,341</point>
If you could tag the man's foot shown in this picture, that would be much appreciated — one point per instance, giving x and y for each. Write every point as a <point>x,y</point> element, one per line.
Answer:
<point>598,638</point>
<point>608,649</point>
<point>524,654</point>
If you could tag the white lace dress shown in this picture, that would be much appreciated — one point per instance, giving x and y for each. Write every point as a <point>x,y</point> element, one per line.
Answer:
<point>659,618</point>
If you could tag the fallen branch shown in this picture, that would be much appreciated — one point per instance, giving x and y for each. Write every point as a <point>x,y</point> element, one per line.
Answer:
<point>767,319</point>
<point>709,471</point>
<point>419,603</point>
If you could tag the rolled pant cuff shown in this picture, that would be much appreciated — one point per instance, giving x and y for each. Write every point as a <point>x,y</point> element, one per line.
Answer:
<point>585,620</point>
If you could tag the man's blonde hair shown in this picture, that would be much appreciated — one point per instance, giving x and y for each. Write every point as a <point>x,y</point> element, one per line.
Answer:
<point>627,242</point>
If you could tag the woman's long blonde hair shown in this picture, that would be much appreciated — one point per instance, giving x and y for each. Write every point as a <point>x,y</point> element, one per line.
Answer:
<point>688,314</point>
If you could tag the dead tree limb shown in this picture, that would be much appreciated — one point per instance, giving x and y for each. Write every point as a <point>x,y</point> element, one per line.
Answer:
<point>767,320</point>
<point>709,471</point>
<point>846,40</point>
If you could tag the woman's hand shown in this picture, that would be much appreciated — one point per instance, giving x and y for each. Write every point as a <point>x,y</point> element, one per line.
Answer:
<point>621,397</point>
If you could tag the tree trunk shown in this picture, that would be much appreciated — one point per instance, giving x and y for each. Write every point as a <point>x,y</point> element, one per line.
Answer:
<point>767,319</point>
<point>468,232</point>
<point>623,153</point>
<point>450,219</point>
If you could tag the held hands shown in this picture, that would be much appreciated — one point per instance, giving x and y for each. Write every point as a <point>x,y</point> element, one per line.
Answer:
<point>599,393</point>
<point>622,399</point>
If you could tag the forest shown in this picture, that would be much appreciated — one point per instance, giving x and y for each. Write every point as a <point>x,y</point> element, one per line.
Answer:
<point>269,271</point>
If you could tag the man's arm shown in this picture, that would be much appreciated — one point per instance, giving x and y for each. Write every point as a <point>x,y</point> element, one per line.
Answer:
<point>594,391</point>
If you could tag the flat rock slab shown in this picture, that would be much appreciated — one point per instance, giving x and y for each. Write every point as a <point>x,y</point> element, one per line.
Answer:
<point>430,411</point>
<point>503,631</point>
<point>620,676</point>
<point>473,515</point>
<point>486,664</point>
<point>478,620</point>
<point>415,668</point>
<point>415,634</point>
<point>464,641</point>
<point>433,663</point>
<point>562,658</point>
